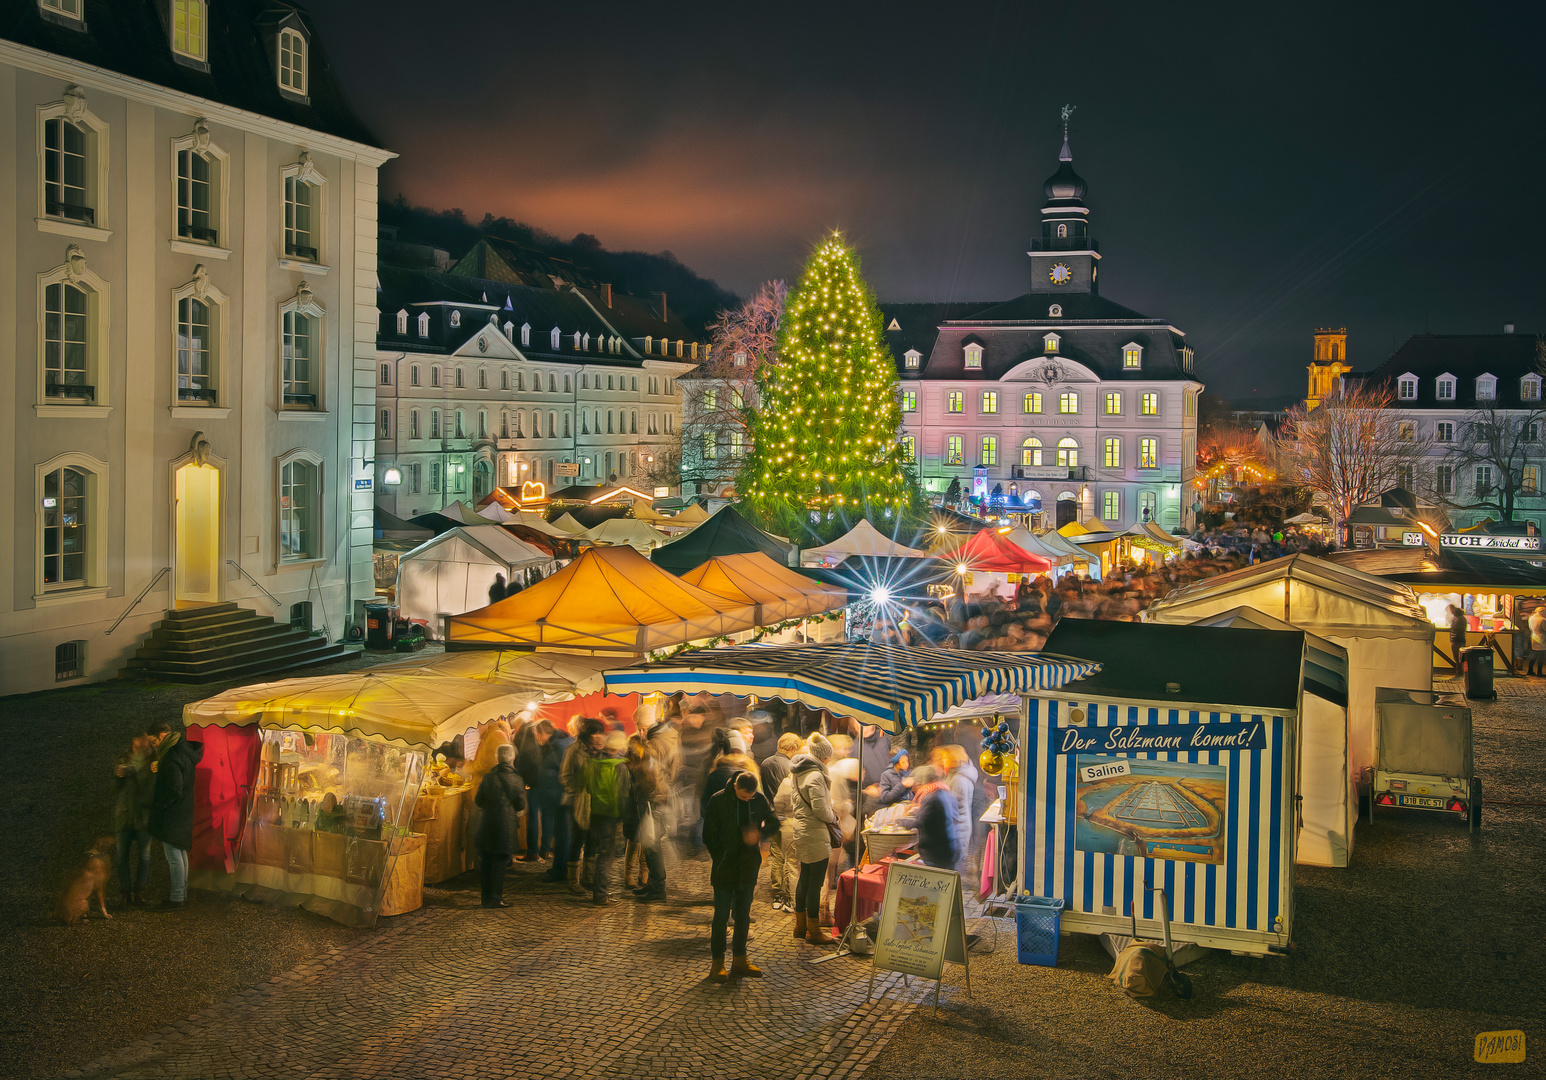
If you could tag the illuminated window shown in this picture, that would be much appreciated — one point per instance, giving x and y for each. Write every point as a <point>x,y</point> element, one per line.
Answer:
<point>1132,356</point>
<point>955,401</point>
<point>1112,458</point>
<point>974,356</point>
<point>1111,506</point>
<point>1530,480</point>
<point>1406,431</point>
<point>909,400</point>
<point>1148,453</point>
<point>710,447</point>
<point>1068,453</point>
<point>989,450</point>
<point>66,528</point>
<point>1530,388</point>
<point>737,444</point>
<point>1068,402</point>
<point>188,28</point>
<point>1148,503</point>
<point>913,358</point>
<point>953,450</point>
<point>1030,452</point>
<point>413,424</point>
<point>195,352</point>
<point>1050,343</point>
<point>1114,404</point>
<point>909,448</point>
<point>1032,403</point>
<point>292,61</point>
<point>989,402</point>
<point>1150,406</point>
<point>384,424</point>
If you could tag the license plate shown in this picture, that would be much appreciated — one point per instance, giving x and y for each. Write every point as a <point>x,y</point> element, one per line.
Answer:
<point>1418,800</point>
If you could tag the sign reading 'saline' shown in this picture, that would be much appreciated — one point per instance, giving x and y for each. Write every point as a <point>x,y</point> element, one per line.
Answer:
<point>1163,738</point>
<point>1487,542</point>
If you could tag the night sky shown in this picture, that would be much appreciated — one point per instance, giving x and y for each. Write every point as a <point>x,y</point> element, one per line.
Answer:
<point>1254,170</point>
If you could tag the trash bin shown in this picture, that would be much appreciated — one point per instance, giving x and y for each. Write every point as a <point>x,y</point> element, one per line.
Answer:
<point>378,626</point>
<point>1478,671</point>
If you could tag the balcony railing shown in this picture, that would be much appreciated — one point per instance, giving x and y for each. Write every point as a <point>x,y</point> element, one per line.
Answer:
<point>195,232</point>
<point>301,401</point>
<point>74,212</point>
<point>301,251</point>
<point>78,390</point>
<point>197,393</point>
<point>1079,473</point>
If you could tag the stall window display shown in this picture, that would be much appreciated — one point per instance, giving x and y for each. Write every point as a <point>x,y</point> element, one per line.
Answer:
<point>330,816</point>
<point>1485,612</point>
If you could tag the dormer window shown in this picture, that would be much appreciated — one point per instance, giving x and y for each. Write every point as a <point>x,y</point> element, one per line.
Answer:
<point>70,9</point>
<point>553,339</point>
<point>576,341</point>
<point>456,317</point>
<point>1530,388</point>
<point>648,343</point>
<point>1444,388</point>
<point>402,322</point>
<point>587,343</point>
<point>740,359</point>
<point>912,359</point>
<point>1406,387</point>
<point>1132,356</point>
<point>526,333</point>
<point>509,331</point>
<point>189,29</point>
<point>1055,311</point>
<point>974,357</point>
<point>893,325</point>
<point>292,61</point>
<point>1486,388</point>
<point>424,324</point>
<point>1049,343</point>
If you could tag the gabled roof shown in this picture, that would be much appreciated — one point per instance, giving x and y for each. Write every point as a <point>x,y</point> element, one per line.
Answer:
<point>1510,357</point>
<point>990,551</point>
<point>131,39</point>
<point>725,533</point>
<point>918,325</point>
<point>496,259</point>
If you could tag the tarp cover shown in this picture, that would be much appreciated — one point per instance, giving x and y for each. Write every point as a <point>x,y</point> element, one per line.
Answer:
<point>637,534</point>
<point>567,523</point>
<point>544,676</point>
<point>990,552</point>
<point>611,599</point>
<point>1424,733</point>
<point>1023,538</point>
<point>779,592</point>
<point>417,712</point>
<point>862,539</point>
<point>726,533</point>
<point>891,686</point>
<point>452,573</point>
<point>692,514</point>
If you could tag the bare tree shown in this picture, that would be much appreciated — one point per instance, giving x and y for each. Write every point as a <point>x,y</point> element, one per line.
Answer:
<point>1229,456</point>
<point>1498,453</point>
<point>719,398</point>
<point>1350,449</point>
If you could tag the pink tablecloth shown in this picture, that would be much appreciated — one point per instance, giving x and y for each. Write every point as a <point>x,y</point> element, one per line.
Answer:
<point>872,891</point>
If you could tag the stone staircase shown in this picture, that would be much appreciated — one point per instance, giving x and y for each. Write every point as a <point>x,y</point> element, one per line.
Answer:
<point>218,642</point>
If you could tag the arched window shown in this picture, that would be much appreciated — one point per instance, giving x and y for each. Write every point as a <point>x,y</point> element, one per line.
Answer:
<point>402,322</point>
<point>434,423</point>
<point>1030,452</point>
<point>69,552</point>
<point>1068,453</point>
<point>456,317</point>
<point>299,502</point>
<point>1062,232</point>
<point>292,61</point>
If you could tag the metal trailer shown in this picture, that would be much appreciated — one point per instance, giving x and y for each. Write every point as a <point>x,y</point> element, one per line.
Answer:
<point>1424,757</point>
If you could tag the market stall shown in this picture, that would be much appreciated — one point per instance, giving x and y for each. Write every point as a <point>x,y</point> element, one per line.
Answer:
<point>637,534</point>
<point>1175,765</point>
<point>989,563</point>
<point>862,539</point>
<point>453,572</point>
<point>725,533</point>
<point>1153,541</point>
<point>779,593</point>
<point>316,797</point>
<point>1379,622</point>
<point>1497,595</point>
<point>610,600</point>
<point>1063,561</point>
<point>1085,562</point>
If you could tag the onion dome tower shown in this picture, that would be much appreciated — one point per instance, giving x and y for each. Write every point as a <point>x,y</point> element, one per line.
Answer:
<point>1065,257</point>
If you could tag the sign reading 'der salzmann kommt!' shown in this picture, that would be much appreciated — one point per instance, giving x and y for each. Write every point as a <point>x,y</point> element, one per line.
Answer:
<point>1162,738</point>
<point>1489,542</point>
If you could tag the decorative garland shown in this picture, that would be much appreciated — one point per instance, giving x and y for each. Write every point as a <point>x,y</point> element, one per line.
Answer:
<point>762,632</point>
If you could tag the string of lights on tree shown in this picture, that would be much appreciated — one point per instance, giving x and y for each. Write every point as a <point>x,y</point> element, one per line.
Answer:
<point>827,437</point>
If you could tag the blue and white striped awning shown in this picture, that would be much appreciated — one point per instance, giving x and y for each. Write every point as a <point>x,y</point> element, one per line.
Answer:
<point>890,685</point>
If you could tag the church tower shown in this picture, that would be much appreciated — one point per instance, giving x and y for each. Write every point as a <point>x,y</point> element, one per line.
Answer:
<point>1329,365</point>
<point>1065,258</point>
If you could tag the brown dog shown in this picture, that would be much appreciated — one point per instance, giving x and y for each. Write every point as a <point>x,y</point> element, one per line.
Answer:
<point>75,901</point>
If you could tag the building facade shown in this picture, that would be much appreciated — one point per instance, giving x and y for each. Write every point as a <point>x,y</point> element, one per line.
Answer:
<point>518,380</point>
<point>1059,401</point>
<point>192,219</point>
<point>1475,403</point>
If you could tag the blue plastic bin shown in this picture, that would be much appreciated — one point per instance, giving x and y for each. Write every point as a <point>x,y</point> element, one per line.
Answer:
<point>1038,922</point>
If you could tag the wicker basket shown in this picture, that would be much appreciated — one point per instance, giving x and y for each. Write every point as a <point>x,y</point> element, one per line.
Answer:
<point>880,844</point>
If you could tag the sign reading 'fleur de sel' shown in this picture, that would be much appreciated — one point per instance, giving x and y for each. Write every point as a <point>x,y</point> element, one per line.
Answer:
<point>1163,738</point>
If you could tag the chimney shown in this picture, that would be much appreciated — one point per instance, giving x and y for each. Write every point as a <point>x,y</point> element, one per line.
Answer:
<point>606,294</point>
<point>1508,328</point>
<point>663,315</point>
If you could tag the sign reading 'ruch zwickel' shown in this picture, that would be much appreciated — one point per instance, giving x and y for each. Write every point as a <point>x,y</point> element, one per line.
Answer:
<point>1162,738</point>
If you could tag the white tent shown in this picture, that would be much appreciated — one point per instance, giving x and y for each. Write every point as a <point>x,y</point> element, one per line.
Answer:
<point>639,535</point>
<point>569,524</point>
<point>1328,787</point>
<point>452,573</point>
<point>1388,638</point>
<point>460,511</point>
<point>533,520</point>
<point>862,539</point>
<point>1064,548</point>
<point>496,513</point>
<point>1023,538</point>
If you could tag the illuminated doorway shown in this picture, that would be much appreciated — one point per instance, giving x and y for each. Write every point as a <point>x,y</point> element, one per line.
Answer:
<point>196,542</point>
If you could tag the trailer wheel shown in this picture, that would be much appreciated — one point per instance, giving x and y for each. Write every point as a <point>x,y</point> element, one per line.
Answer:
<point>1476,804</point>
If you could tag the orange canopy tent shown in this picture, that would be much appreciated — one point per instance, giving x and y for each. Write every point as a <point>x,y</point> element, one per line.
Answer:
<point>989,551</point>
<point>779,592</point>
<point>610,599</point>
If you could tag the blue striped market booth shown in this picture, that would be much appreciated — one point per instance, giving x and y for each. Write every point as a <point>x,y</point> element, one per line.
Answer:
<point>1174,765</point>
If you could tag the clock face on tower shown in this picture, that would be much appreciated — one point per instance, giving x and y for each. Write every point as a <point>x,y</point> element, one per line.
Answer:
<point>1060,274</point>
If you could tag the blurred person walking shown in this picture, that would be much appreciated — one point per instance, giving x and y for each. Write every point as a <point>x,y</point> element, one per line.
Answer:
<point>134,782</point>
<point>501,796</point>
<point>574,774</point>
<point>646,798</point>
<point>810,842</point>
<point>549,798</point>
<point>171,810</point>
<point>775,770</point>
<point>738,819</point>
<point>606,781</point>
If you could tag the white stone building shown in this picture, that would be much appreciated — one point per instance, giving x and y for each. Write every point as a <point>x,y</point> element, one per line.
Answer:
<point>187,277</point>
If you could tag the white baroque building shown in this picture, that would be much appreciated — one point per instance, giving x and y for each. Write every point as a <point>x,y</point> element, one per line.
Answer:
<point>187,278</point>
<point>1071,404</point>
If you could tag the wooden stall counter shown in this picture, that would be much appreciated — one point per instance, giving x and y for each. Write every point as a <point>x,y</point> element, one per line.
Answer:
<point>441,816</point>
<point>404,889</point>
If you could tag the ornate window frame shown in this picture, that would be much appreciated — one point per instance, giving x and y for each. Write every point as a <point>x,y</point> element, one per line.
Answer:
<point>319,501</point>
<point>99,307</point>
<point>198,141</point>
<point>96,587</point>
<point>304,302</point>
<point>304,171</point>
<point>72,107</point>
<point>202,289</point>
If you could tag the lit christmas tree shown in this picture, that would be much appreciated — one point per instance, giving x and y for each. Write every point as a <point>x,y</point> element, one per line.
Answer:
<point>825,441</point>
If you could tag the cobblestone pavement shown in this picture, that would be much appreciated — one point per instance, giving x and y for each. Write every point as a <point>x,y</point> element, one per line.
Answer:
<point>550,987</point>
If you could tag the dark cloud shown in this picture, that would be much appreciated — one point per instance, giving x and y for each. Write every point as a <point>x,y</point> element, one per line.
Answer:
<point>1254,170</point>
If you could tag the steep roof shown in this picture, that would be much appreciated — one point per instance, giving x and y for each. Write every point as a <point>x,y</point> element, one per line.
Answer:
<point>917,325</point>
<point>132,39</point>
<point>724,533</point>
<point>1509,357</point>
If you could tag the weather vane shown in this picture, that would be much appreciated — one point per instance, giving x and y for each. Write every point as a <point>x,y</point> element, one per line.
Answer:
<point>1068,111</point>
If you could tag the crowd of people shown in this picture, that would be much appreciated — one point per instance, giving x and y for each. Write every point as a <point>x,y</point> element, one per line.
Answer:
<point>737,789</point>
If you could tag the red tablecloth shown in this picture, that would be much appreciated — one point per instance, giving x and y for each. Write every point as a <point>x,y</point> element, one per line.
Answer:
<point>872,892</point>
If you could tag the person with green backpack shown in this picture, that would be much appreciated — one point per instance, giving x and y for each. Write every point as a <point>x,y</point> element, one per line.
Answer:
<point>606,781</point>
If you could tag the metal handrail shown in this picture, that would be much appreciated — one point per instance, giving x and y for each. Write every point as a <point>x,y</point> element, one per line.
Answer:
<point>143,593</point>
<point>233,564</point>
